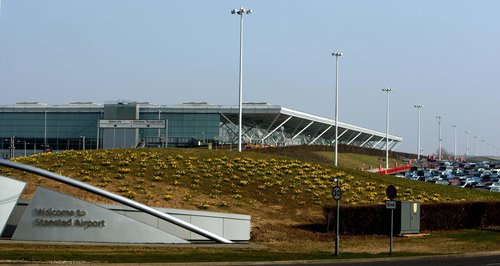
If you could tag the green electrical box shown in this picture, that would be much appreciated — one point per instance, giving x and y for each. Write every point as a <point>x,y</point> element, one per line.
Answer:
<point>407,217</point>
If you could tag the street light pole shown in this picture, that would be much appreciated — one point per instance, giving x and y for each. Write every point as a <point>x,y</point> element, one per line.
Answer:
<point>387,90</point>
<point>336,54</point>
<point>475,144</point>
<point>240,12</point>
<point>418,106</point>
<point>466,143</point>
<point>439,117</point>
<point>483,147</point>
<point>83,142</point>
<point>455,141</point>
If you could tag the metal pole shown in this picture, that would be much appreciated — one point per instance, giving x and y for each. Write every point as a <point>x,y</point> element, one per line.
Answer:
<point>12,147</point>
<point>392,231</point>
<point>418,132</point>
<point>418,148</point>
<point>455,141</point>
<point>466,143</point>
<point>240,12</point>
<point>97,139</point>
<point>337,54</point>
<point>337,231</point>
<point>387,90</point>
<point>439,117</point>
<point>45,131</point>
<point>475,144</point>
<point>159,130</point>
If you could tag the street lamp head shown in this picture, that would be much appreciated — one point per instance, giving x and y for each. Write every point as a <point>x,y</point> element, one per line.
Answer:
<point>241,11</point>
<point>387,89</point>
<point>337,54</point>
<point>418,106</point>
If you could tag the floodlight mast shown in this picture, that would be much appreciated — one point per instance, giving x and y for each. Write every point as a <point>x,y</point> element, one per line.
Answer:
<point>455,141</point>
<point>387,90</point>
<point>439,117</point>
<point>418,106</point>
<point>336,54</point>
<point>240,12</point>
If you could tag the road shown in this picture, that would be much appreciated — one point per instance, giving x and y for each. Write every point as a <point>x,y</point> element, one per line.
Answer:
<point>483,259</point>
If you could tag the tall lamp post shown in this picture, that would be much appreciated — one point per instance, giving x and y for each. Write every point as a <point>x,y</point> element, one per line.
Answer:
<point>387,90</point>
<point>336,54</point>
<point>418,106</point>
<point>439,117</point>
<point>240,12</point>
<point>455,142</point>
<point>466,143</point>
<point>483,147</point>
<point>475,144</point>
<point>83,142</point>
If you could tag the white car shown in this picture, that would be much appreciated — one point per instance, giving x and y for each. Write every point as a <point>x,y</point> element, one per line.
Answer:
<point>495,187</point>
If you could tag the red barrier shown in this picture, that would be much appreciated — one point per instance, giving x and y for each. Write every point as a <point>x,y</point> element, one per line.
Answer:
<point>394,170</point>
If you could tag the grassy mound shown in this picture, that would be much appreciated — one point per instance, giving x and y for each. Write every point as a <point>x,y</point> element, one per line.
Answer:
<point>280,192</point>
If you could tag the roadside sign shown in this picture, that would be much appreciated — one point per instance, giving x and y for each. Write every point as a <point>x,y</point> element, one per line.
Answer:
<point>390,204</point>
<point>336,193</point>
<point>391,192</point>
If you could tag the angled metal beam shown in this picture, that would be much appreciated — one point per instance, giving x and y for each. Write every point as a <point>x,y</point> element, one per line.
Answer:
<point>270,133</point>
<point>396,144</point>
<point>349,143</point>
<point>341,134</point>
<point>366,141</point>
<point>229,120</point>
<point>272,123</point>
<point>117,198</point>
<point>300,132</point>
<point>387,143</point>
<point>319,136</point>
<point>376,144</point>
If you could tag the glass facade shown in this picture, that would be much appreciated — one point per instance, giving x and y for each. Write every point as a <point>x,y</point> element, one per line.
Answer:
<point>183,128</point>
<point>35,129</point>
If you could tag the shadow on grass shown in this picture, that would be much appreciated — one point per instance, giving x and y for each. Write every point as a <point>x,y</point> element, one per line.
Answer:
<point>156,257</point>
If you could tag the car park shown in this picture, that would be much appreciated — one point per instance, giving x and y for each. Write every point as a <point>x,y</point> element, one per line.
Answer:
<point>483,175</point>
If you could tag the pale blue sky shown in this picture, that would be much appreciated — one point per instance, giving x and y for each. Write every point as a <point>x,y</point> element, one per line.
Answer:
<point>443,54</point>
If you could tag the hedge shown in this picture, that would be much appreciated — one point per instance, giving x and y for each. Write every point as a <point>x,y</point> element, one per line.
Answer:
<point>375,219</point>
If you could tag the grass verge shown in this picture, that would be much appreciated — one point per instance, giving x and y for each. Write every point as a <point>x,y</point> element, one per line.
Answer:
<point>435,243</point>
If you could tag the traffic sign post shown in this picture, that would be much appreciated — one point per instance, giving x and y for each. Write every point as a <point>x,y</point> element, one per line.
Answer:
<point>391,193</point>
<point>337,195</point>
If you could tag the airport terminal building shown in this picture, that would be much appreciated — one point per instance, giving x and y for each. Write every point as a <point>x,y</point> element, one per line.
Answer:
<point>32,127</point>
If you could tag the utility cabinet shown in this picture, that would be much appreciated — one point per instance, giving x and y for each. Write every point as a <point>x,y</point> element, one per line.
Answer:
<point>407,217</point>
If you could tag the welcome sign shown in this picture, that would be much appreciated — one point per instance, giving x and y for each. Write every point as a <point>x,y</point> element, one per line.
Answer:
<point>53,216</point>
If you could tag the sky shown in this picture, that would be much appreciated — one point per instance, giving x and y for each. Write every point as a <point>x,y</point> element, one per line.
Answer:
<point>443,55</point>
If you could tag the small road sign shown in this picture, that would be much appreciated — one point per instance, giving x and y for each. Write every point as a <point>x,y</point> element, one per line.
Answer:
<point>336,193</point>
<point>391,192</point>
<point>390,204</point>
